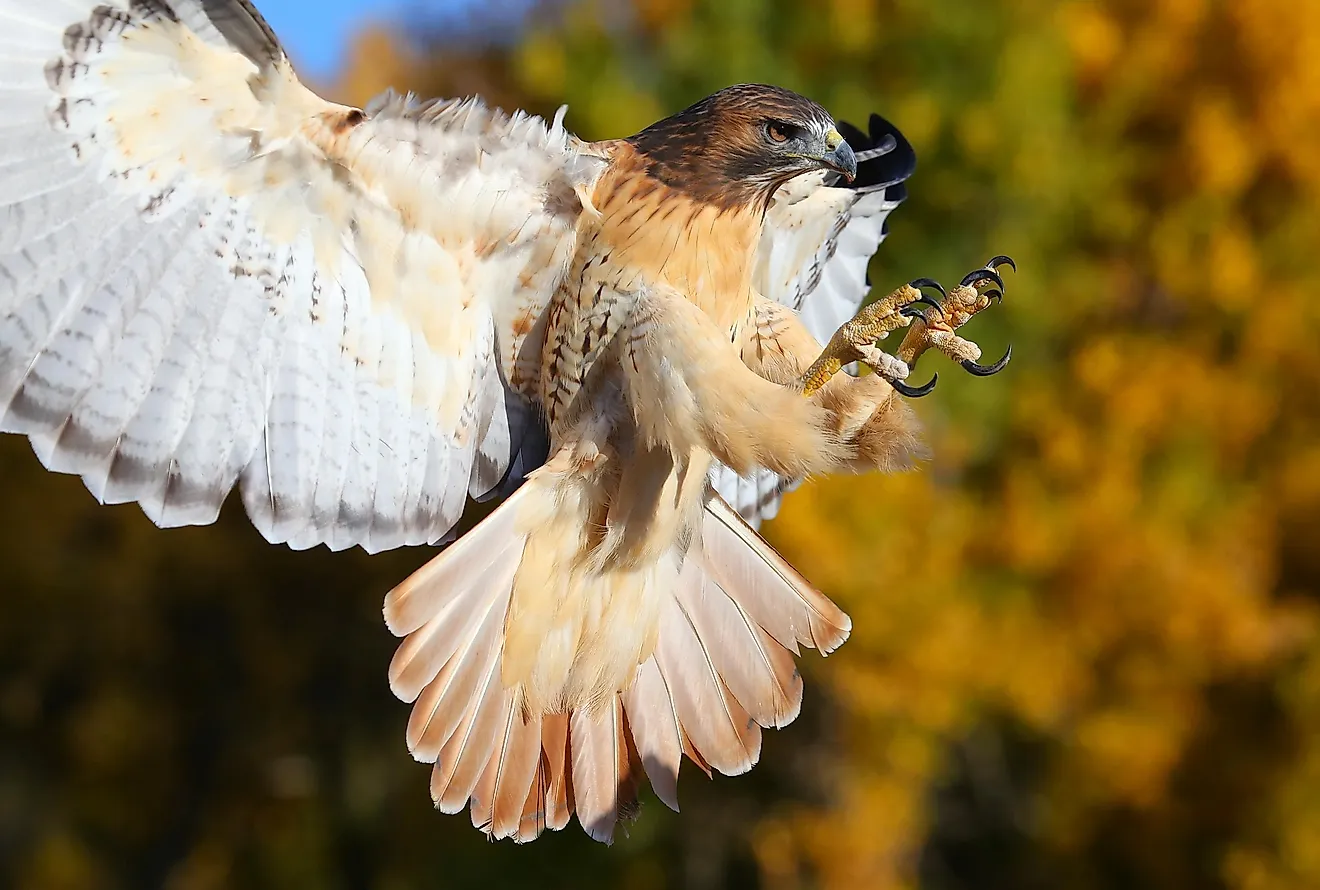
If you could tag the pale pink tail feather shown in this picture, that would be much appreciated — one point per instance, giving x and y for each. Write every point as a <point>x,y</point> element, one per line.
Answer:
<point>723,669</point>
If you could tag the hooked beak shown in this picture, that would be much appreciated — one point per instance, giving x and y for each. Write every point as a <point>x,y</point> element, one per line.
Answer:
<point>840,157</point>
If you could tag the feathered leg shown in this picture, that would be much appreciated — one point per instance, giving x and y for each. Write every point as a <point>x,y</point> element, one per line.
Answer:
<point>690,392</point>
<point>878,430</point>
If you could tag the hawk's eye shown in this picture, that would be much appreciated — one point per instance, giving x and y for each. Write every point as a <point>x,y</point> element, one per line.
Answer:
<point>778,131</point>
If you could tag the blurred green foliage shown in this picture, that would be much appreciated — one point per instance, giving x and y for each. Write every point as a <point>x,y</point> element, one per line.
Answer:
<point>1086,651</point>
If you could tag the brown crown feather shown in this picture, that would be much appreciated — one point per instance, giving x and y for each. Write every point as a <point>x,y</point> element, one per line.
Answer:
<point>714,151</point>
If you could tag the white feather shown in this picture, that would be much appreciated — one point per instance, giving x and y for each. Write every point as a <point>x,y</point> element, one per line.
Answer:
<point>205,281</point>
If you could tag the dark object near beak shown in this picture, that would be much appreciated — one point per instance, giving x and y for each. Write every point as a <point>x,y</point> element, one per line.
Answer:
<point>842,161</point>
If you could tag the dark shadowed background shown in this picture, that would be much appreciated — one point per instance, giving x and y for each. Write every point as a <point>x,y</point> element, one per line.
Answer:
<point>1087,639</point>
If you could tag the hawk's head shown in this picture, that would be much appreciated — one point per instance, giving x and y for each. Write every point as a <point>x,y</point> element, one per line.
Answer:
<point>738,145</point>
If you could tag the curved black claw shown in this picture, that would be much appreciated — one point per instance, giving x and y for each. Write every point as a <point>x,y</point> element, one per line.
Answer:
<point>1001,260</point>
<point>980,276</point>
<point>987,370</point>
<point>914,392</point>
<point>994,295</point>
<point>928,282</point>
<point>911,310</point>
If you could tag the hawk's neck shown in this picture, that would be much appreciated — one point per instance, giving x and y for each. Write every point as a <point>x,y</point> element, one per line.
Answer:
<point>703,249</point>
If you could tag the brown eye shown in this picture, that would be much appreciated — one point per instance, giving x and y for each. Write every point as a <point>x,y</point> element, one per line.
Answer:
<point>777,132</point>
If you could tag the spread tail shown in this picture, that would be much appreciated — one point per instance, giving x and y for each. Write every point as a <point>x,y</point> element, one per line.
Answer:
<point>722,669</point>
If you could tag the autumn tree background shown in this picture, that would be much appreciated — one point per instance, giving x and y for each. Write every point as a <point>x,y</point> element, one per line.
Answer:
<point>1086,647</point>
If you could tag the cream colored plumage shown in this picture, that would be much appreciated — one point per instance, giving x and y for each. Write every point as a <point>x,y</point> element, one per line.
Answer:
<point>211,277</point>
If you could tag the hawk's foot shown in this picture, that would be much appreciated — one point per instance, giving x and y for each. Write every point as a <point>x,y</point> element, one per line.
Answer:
<point>935,328</point>
<point>856,338</point>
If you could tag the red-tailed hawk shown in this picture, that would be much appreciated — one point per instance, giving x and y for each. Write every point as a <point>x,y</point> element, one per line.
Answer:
<point>362,318</point>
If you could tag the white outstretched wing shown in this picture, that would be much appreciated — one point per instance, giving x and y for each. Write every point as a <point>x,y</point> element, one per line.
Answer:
<point>210,276</point>
<point>819,237</point>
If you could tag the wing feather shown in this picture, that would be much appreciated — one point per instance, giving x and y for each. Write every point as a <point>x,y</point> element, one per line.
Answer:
<point>66,358</point>
<point>143,466</point>
<point>211,277</point>
<point>89,439</point>
<point>333,463</point>
<point>220,435</point>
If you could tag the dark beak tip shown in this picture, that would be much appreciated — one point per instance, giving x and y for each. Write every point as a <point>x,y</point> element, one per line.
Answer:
<point>843,161</point>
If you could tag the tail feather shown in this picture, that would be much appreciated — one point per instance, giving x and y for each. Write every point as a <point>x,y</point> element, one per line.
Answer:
<point>558,767</point>
<point>425,652</point>
<point>469,749</point>
<point>758,671</point>
<point>518,762</point>
<point>723,668</point>
<point>693,754</point>
<point>533,820</point>
<point>463,565</point>
<point>770,590</point>
<point>483,797</point>
<point>604,776</point>
<point>656,731</point>
<point>718,726</point>
<point>449,695</point>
